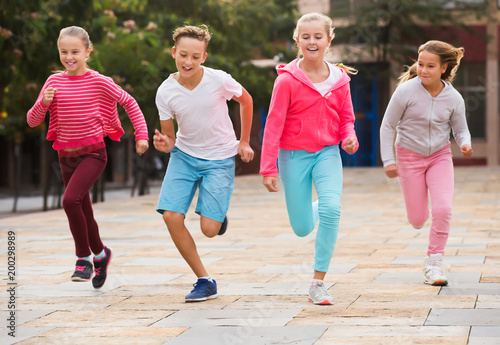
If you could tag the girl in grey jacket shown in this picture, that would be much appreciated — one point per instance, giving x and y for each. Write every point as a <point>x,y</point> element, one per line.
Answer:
<point>421,113</point>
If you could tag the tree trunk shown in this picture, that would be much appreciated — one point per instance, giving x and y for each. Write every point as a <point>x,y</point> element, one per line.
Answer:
<point>45,168</point>
<point>17,172</point>
<point>141,165</point>
<point>98,190</point>
<point>143,181</point>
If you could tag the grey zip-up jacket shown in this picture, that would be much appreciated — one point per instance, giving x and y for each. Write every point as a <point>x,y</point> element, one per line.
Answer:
<point>422,122</point>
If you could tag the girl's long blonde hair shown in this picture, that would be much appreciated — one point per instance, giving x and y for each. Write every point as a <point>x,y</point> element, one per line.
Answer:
<point>329,29</point>
<point>447,53</point>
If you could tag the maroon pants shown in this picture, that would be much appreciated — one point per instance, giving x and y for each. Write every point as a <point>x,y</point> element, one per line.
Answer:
<point>79,174</point>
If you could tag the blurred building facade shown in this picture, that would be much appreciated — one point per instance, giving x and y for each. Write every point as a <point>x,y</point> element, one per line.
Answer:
<point>477,78</point>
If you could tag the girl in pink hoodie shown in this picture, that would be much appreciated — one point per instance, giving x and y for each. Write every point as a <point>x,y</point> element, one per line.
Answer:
<point>311,112</point>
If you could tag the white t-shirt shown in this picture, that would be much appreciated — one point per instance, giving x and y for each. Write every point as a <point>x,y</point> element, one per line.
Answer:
<point>326,84</point>
<point>205,129</point>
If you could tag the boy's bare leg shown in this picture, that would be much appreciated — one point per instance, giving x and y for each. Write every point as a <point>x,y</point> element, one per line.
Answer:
<point>209,227</point>
<point>184,242</point>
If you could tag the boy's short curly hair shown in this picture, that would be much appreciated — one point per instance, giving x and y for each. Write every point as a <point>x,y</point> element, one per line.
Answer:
<point>200,33</point>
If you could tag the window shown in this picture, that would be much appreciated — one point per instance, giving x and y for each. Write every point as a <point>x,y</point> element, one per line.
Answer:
<point>471,83</point>
<point>464,4</point>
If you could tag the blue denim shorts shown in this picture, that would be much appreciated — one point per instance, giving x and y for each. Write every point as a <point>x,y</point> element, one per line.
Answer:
<point>185,174</point>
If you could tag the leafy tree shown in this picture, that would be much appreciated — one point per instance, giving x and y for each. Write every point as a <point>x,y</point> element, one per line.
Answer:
<point>29,31</point>
<point>387,33</point>
<point>132,43</point>
<point>390,30</point>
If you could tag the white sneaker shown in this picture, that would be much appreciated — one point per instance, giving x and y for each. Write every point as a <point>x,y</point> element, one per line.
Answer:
<point>318,294</point>
<point>433,274</point>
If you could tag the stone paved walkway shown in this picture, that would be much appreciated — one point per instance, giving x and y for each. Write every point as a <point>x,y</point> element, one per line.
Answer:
<point>263,271</point>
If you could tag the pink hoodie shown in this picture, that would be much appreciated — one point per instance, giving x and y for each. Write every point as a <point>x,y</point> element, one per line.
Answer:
<point>300,118</point>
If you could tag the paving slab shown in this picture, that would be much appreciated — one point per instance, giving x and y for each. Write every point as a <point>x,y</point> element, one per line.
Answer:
<point>250,335</point>
<point>491,301</point>
<point>447,259</point>
<point>244,318</point>
<point>484,335</point>
<point>263,272</point>
<point>63,257</point>
<point>165,262</point>
<point>449,246</point>
<point>23,333</point>
<point>21,317</point>
<point>45,238</point>
<point>43,270</point>
<point>297,269</point>
<point>426,229</point>
<point>73,289</point>
<point>249,289</point>
<point>485,331</point>
<point>463,317</point>
<point>472,289</point>
<point>410,277</point>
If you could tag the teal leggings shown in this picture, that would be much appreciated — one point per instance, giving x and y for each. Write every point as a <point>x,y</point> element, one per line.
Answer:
<point>298,171</point>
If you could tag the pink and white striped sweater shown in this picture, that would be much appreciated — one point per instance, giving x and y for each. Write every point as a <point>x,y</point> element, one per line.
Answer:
<point>83,110</point>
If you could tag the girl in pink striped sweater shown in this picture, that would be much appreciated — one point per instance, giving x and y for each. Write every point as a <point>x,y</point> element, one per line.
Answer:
<point>82,107</point>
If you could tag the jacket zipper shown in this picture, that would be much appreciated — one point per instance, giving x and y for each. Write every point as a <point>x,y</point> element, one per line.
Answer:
<point>318,128</point>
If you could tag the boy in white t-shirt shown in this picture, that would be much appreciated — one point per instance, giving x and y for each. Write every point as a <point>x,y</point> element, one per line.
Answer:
<point>202,155</point>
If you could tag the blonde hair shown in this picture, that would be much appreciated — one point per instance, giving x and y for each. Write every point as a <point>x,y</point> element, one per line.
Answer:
<point>79,32</point>
<point>314,16</point>
<point>200,33</point>
<point>329,29</point>
<point>447,53</point>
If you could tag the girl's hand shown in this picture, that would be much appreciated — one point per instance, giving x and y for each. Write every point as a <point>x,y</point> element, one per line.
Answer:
<point>162,142</point>
<point>141,146</point>
<point>391,171</point>
<point>466,151</point>
<point>48,95</point>
<point>351,145</point>
<point>270,183</point>
<point>245,152</point>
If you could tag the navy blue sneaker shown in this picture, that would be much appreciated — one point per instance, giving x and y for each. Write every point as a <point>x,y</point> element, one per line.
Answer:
<point>203,289</point>
<point>223,227</point>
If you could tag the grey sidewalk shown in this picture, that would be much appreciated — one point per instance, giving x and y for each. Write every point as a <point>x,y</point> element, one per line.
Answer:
<point>263,270</point>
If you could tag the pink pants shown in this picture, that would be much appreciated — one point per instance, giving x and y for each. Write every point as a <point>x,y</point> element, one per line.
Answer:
<point>420,176</point>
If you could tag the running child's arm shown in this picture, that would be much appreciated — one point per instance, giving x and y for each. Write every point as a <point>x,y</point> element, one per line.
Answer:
<point>346,126</point>
<point>466,151</point>
<point>141,146</point>
<point>48,95</point>
<point>36,114</point>
<point>351,145</point>
<point>275,123</point>
<point>165,140</point>
<point>391,170</point>
<point>246,115</point>
<point>270,183</point>
<point>461,130</point>
<point>138,121</point>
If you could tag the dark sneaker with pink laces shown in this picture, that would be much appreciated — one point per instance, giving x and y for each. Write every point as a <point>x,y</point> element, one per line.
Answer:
<point>83,271</point>
<point>101,269</point>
